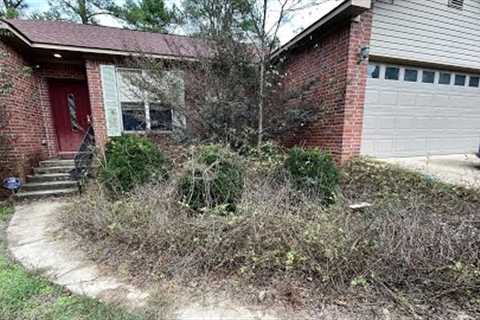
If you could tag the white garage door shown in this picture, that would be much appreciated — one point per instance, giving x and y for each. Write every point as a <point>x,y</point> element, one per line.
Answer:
<point>412,111</point>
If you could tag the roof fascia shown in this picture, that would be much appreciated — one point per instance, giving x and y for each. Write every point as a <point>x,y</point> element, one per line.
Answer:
<point>356,6</point>
<point>38,45</point>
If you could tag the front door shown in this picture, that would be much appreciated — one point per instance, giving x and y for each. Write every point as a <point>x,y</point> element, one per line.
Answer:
<point>71,111</point>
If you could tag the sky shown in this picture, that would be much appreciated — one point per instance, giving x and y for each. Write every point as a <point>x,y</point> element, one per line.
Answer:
<point>299,21</point>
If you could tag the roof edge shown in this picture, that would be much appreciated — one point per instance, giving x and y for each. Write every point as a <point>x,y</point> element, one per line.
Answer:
<point>355,7</point>
<point>5,25</point>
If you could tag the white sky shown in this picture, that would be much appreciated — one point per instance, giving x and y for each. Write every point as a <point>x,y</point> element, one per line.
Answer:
<point>295,25</point>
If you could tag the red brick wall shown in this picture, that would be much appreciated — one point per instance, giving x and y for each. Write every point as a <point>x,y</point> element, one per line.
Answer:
<point>96,103</point>
<point>339,89</point>
<point>360,33</point>
<point>27,131</point>
<point>22,132</point>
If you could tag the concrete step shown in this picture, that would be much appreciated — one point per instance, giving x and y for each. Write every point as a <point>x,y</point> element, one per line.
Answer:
<point>24,195</point>
<point>48,170</point>
<point>50,185</point>
<point>67,155</point>
<point>57,163</point>
<point>49,177</point>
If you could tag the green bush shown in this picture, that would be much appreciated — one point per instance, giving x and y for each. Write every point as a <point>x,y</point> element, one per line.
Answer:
<point>215,178</point>
<point>314,171</point>
<point>130,161</point>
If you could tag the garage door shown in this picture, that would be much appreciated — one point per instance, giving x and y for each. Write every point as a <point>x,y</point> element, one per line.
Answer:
<point>412,111</point>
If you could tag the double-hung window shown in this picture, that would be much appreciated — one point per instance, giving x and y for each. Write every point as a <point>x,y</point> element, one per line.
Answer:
<point>144,111</point>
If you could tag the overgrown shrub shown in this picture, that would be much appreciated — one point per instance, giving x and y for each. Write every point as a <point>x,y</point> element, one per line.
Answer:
<point>314,171</point>
<point>418,242</point>
<point>266,160</point>
<point>131,160</point>
<point>215,177</point>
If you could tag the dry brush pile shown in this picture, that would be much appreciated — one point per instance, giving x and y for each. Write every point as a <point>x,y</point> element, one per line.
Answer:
<point>420,237</point>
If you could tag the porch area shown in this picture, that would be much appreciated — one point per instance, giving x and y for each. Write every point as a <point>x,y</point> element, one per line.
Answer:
<point>51,105</point>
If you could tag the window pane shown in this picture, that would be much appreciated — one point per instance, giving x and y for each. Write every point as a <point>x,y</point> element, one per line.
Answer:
<point>373,71</point>
<point>474,82</point>
<point>72,111</point>
<point>392,73</point>
<point>445,78</point>
<point>411,75</point>
<point>160,117</point>
<point>428,77</point>
<point>460,80</point>
<point>133,115</point>
<point>129,82</point>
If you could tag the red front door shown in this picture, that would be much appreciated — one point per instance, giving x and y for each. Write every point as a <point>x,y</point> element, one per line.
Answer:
<point>71,110</point>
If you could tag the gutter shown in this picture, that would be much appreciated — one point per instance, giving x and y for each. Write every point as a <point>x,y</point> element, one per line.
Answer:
<point>347,9</point>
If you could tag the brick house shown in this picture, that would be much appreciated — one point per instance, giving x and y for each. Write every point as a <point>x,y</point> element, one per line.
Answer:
<point>399,78</point>
<point>59,78</point>
<point>396,78</point>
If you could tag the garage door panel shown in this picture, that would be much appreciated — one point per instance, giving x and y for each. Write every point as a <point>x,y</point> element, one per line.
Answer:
<point>371,96</point>
<point>407,99</point>
<point>380,146</point>
<point>424,99</point>
<point>379,122</point>
<point>388,98</point>
<point>415,119</point>
<point>441,100</point>
<point>409,146</point>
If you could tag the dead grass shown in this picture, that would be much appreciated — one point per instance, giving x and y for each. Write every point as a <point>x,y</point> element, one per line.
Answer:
<point>418,244</point>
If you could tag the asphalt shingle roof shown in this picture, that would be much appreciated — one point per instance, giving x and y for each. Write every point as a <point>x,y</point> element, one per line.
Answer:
<point>108,38</point>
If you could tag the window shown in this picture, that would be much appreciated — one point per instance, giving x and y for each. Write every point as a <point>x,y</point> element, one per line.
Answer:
<point>133,115</point>
<point>392,73</point>
<point>474,82</point>
<point>428,77</point>
<point>457,4</point>
<point>72,111</point>
<point>411,75</point>
<point>445,78</point>
<point>460,80</point>
<point>161,118</point>
<point>141,111</point>
<point>373,71</point>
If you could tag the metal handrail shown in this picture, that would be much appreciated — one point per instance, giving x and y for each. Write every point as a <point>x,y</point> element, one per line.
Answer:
<point>84,157</point>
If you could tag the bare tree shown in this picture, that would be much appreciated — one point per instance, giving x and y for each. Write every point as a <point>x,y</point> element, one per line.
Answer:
<point>267,38</point>
<point>256,22</point>
<point>233,94</point>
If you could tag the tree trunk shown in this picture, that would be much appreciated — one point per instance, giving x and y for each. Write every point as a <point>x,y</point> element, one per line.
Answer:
<point>262,77</point>
<point>82,11</point>
<point>261,101</point>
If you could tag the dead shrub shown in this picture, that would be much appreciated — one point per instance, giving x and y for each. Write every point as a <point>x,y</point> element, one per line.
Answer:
<point>420,237</point>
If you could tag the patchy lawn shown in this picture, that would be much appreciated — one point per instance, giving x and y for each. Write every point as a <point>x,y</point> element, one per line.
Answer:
<point>27,296</point>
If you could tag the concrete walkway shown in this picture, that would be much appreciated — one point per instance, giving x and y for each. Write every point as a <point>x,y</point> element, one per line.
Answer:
<point>34,241</point>
<point>460,169</point>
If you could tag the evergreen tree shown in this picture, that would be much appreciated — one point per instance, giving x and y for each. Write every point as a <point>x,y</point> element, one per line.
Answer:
<point>12,8</point>
<point>146,15</point>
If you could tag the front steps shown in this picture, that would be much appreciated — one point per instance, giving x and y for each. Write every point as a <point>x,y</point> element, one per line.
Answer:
<point>50,179</point>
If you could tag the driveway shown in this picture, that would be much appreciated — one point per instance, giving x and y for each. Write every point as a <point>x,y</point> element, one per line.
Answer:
<point>456,169</point>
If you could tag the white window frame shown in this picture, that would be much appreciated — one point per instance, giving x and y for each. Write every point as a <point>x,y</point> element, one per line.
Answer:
<point>146,103</point>
<point>469,79</point>
<point>421,70</point>
<point>435,77</point>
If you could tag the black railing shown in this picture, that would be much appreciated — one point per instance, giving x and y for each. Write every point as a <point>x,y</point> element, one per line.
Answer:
<point>84,157</point>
